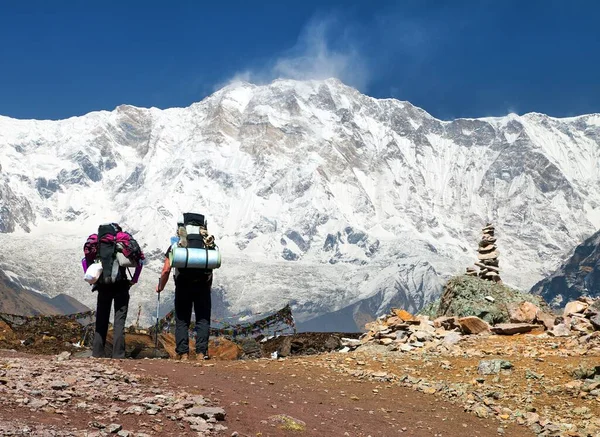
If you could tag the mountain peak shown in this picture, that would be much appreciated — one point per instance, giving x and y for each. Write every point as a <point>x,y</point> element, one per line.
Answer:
<point>317,194</point>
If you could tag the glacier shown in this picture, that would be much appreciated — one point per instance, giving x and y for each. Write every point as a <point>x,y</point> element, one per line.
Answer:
<point>318,195</point>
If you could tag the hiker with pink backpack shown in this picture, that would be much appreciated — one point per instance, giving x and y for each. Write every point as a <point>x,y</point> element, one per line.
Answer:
<point>108,255</point>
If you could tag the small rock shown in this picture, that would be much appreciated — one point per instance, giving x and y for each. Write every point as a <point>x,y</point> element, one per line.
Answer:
<point>38,403</point>
<point>445,322</point>
<point>201,427</point>
<point>58,385</point>
<point>63,356</point>
<point>135,409</point>
<point>207,412</point>
<point>98,425</point>
<point>288,423</point>
<point>493,367</point>
<point>560,330</point>
<point>114,428</point>
<point>481,411</point>
<point>532,418</point>
<point>529,374</point>
<point>581,411</point>
<point>404,315</point>
<point>451,339</point>
<point>423,336</point>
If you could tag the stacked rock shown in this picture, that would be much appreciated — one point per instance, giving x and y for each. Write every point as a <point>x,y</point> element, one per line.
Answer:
<point>488,255</point>
<point>471,271</point>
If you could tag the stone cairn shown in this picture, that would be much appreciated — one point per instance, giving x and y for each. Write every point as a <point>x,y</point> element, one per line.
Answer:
<point>487,257</point>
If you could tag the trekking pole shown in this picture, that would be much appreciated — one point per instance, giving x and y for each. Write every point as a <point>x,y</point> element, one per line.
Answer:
<point>157,312</point>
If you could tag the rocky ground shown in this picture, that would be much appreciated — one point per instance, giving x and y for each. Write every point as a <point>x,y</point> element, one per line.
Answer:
<point>520,385</point>
<point>484,362</point>
<point>262,397</point>
<point>86,397</point>
<point>550,385</point>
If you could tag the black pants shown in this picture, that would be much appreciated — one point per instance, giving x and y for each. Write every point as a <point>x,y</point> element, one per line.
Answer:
<point>119,293</point>
<point>192,293</point>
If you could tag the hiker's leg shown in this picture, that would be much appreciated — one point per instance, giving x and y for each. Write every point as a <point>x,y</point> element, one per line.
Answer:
<point>121,306</point>
<point>183,317</point>
<point>102,317</point>
<point>202,309</point>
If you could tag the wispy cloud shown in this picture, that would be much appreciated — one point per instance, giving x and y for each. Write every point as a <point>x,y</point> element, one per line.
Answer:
<point>324,49</point>
<point>358,53</point>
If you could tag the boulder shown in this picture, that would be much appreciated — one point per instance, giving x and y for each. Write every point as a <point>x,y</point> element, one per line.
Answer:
<point>581,324</point>
<point>473,325</point>
<point>221,348</point>
<point>514,328</point>
<point>250,347</point>
<point>560,330</point>
<point>575,307</point>
<point>546,319</point>
<point>469,296</point>
<point>138,346</point>
<point>523,312</point>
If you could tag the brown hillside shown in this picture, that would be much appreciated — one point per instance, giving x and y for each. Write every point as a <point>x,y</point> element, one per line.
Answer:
<point>15,299</point>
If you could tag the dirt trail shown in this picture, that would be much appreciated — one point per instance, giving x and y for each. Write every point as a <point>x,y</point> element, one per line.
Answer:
<point>329,403</point>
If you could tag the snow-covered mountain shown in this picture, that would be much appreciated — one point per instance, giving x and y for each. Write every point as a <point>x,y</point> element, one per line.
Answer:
<point>318,195</point>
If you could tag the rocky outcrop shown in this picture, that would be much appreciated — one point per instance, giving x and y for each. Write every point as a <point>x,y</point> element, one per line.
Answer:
<point>402,332</point>
<point>473,296</point>
<point>578,276</point>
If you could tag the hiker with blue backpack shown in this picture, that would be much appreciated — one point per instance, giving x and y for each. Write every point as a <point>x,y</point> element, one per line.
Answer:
<point>193,255</point>
<point>108,255</point>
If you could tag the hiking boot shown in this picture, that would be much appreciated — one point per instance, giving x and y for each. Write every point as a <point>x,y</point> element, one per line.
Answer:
<point>202,356</point>
<point>183,357</point>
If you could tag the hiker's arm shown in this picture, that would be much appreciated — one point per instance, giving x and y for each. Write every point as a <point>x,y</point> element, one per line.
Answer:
<point>136,274</point>
<point>164,275</point>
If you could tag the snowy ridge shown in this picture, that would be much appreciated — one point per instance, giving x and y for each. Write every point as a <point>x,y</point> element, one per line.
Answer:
<point>318,195</point>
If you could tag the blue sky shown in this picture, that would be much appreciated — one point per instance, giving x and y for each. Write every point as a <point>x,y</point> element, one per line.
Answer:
<point>452,58</point>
